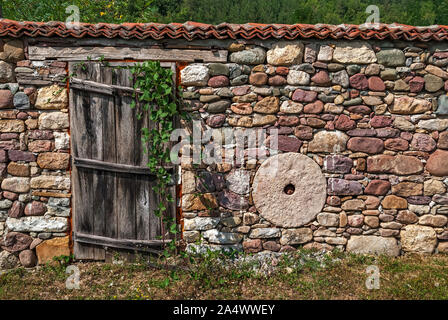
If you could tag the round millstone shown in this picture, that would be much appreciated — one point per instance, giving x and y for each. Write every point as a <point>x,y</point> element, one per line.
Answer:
<point>289,190</point>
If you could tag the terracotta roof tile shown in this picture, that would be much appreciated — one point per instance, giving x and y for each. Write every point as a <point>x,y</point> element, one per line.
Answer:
<point>195,30</point>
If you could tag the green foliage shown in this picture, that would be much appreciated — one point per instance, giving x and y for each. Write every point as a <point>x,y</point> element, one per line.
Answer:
<point>413,12</point>
<point>156,99</point>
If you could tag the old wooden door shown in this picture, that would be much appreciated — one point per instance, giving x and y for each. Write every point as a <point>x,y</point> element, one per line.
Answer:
<point>113,201</point>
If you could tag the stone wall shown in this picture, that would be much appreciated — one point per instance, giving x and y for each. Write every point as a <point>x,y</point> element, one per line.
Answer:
<point>34,159</point>
<point>369,118</point>
<point>357,132</point>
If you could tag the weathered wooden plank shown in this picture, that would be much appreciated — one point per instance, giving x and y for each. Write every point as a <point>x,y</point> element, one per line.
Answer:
<point>93,53</point>
<point>112,167</point>
<point>132,244</point>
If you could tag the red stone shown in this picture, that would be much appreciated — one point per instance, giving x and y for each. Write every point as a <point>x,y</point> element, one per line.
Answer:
<point>277,81</point>
<point>416,84</point>
<point>437,163</point>
<point>376,84</point>
<point>344,123</point>
<point>253,245</point>
<point>304,96</point>
<point>6,99</point>
<point>367,145</point>
<point>377,187</point>
<point>17,155</point>
<point>380,121</point>
<point>359,81</point>
<point>16,210</point>
<point>258,79</point>
<point>288,121</point>
<point>282,71</point>
<point>10,195</point>
<point>321,78</point>
<point>396,144</point>
<point>443,140</point>
<point>285,143</point>
<point>218,81</point>
<point>15,241</point>
<point>315,107</point>
<point>271,246</point>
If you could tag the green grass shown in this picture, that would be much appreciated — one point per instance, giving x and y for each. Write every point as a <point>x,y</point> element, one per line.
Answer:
<point>335,276</point>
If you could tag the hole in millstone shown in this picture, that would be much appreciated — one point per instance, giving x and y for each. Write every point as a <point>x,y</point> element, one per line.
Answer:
<point>289,189</point>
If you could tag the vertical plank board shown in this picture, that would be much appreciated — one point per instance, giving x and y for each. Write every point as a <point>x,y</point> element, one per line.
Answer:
<point>125,146</point>
<point>109,155</point>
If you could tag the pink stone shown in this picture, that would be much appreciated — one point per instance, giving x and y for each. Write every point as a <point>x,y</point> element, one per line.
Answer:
<point>380,121</point>
<point>216,121</point>
<point>361,132</point>
<point>361,109</point>
<point>17,155</point>
<point>315,107</point>
<point>241,91</point>
<point>252,245</point>
<point>367,145</point>
<point>423,142</point>
<point>16,210</point>
<point>304,96</point>
<point>343,187</point>
<point>338,164</point>
<point>3,156</point>
<point>321,78</point>
<point>387,132</point>
<point>218,81</point>
<point>359,81</point>
<point>376,84</point>
<point>406,136</point>
<point>285,143</point>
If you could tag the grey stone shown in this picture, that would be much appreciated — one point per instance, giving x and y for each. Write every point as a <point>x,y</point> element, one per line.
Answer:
<point>265,233</point>
<point>6,72</point>
<point>201,223</point>
<point>391,57</point>
<point>341,78</point>
<point>250,56</point>
<point>218,107</point>
<point>21,101</point>
<point>216,69</point>
<point>442,108</point>
<point>8,260</point>
<point>328,219</point>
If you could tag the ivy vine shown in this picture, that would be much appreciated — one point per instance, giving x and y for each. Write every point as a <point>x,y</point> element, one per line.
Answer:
<point>156,98</point>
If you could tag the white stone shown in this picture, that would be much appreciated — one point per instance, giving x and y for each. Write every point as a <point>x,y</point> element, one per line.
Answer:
<point>53,120</point>
<point>328,219</point>
<point>298,78</point>
<point>285,53</point>
<point>5,204</point>
<point>373,245</point>
<point>194,75</point>
<point>354,53</point>
<point>239,181</point>
<point>50,182</point>
<point>433,124</point>
<point>303,204</point>
<point>289,106</point>
<point>419,239</point>
<point>419,209</point>
<point>37,224</point>
<point>328,142</point>
<point>296,236</point>
<point>325,54</point>
<point>16,184</point>
<point>201,223</point>
<point>61,140</point>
